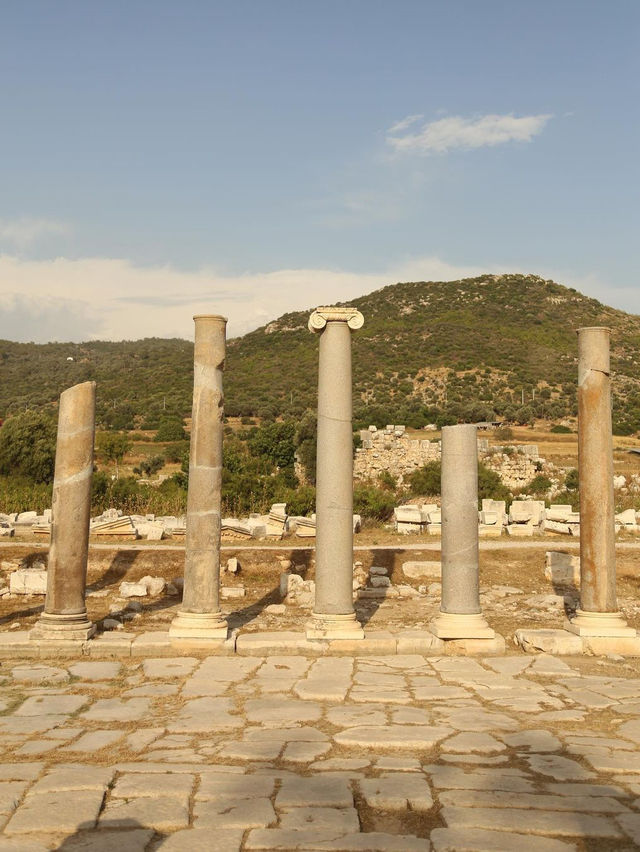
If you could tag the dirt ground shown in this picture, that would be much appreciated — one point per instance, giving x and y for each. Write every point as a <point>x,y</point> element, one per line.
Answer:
<point>514,590</point>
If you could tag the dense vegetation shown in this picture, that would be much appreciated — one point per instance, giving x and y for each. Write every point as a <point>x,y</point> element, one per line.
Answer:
<point>483,348</point>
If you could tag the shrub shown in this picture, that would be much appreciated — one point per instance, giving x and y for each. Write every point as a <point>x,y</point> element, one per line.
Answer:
<point>387,481</point>
<point>539,485</point>
<point>175,452</point>
<point>28,446</point>
<point>571,481</point>
<point>503,433</point>
<point>171,429</point>
<point>425,482</point>
<point>559,429</point>
<point>372,502</point>
<point>490,486</point>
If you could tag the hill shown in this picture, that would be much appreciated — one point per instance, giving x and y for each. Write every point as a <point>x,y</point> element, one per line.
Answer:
<point>493,346</point>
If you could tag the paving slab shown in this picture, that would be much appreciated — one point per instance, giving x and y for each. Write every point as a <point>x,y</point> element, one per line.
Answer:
<point>57,812</point>
<point>163,813</point>
<point>481,840</point>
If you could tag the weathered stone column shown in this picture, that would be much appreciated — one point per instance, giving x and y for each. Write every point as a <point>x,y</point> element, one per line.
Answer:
<point>460,613</point>
<point>65,613</point>
<point>200,616</point>
<point>598,613</point>
<point>333,613</point>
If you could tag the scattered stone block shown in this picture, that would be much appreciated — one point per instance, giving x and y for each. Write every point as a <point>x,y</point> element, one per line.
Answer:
<point>28,581</point>
<point>418,570</point>
<point>562,568</point>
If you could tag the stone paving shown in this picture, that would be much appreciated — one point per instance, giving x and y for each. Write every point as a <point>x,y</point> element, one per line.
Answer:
<point>388,753</point>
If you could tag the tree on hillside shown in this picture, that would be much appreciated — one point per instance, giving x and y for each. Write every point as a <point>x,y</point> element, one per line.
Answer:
<point>28,446</point>
<point>113,447</point>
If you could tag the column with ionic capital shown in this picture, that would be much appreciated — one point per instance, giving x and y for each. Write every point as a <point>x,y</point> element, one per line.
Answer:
<point>333,614</point>
<point>460,612</point>
<point>65,612</point>
<point>598,613</point>
<point>200,616</point>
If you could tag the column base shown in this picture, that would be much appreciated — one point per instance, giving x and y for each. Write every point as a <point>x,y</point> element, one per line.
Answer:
<point>449,625</point>
<point>329,626</point>
<point>63,627</point>
<point>599,624</point>
<point>198,625</point>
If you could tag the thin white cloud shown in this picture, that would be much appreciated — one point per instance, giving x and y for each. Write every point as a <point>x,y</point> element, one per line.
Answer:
<point>24,232</point>
<point>446,134</point>
<point>405,123</point>
<point>111,299</point>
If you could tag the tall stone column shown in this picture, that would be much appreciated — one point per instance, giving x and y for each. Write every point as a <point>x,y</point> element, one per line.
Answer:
<point>200,616</point>
<point>333,613</point>
<point>460,613</point>
<point>65,613</point>
<point>598,613</point>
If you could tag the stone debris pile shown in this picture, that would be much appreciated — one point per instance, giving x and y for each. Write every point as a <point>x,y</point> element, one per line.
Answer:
<point>525,518</point>
<point>391,449</point>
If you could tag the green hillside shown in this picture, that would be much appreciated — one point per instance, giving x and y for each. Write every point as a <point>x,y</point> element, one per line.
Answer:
<point>470,349</point>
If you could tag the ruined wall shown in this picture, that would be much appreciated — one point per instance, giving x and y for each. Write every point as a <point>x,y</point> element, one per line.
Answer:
<point>392,450</point>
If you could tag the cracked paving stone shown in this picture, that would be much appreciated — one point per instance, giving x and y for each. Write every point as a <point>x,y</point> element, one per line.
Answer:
<point>563,823</point>
<point>534,801</point>
<point>169,667</point>
<point>330,792</point>
<point>135,840</point>
<point>39,674</point>
<point>67,811</point>
<point>199,840</point>
<point>397,792</point>
<point>231,813</point>
<point>51,705</point>
<point>200,715</point>
<point>218,786</point>
<point>164,813</point>
<point>392,736</point>
<point>560,768</point>
<point>95,671</point>
<point>334,821</point>
<point>455,778</point>
<point>94,741</point>
<point>533,740</point>
<point>300,752</point>
<point>278,711</point>
<point>20,771</point>
<point>118,710</point>
<point>67,777</point>
<point>470,741</point>
<point>348,717</point>
<point>482,840</point>
<point>132,785</point>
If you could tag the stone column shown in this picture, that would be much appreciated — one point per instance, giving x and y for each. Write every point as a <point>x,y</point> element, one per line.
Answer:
<point>598,613</point>
<point>333,613</point>
<point>65,613</point>
<point>200,616</point>
<point>460,613</point>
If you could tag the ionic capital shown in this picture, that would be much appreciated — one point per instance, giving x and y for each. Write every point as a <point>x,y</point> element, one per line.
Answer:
<point>321,316</point>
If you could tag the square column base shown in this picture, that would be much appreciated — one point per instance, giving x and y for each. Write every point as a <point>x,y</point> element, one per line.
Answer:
<point>198,625</point>
<point>449,625</point>
<point>610,624</point>
<point>328,626</point>
<point>62,627</point>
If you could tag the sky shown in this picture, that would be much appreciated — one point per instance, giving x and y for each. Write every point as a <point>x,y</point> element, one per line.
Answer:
<point>252,157</point>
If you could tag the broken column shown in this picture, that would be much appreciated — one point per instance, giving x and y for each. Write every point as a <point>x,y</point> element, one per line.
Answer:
<point>460,613</point>
<point>65,612</point>
<point>200,616</point>
<point>333,613</point>
<point>598,612</point>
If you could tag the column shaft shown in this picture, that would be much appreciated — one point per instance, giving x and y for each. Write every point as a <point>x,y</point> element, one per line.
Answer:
<point>333,613</point>
<point>200,615</point>
<point>334,478</point>
<point>65,614</point>
<point>598,613</point>
<point>460,613</point>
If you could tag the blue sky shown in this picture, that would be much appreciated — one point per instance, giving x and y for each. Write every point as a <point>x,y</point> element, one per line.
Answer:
<point>159,159</point>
